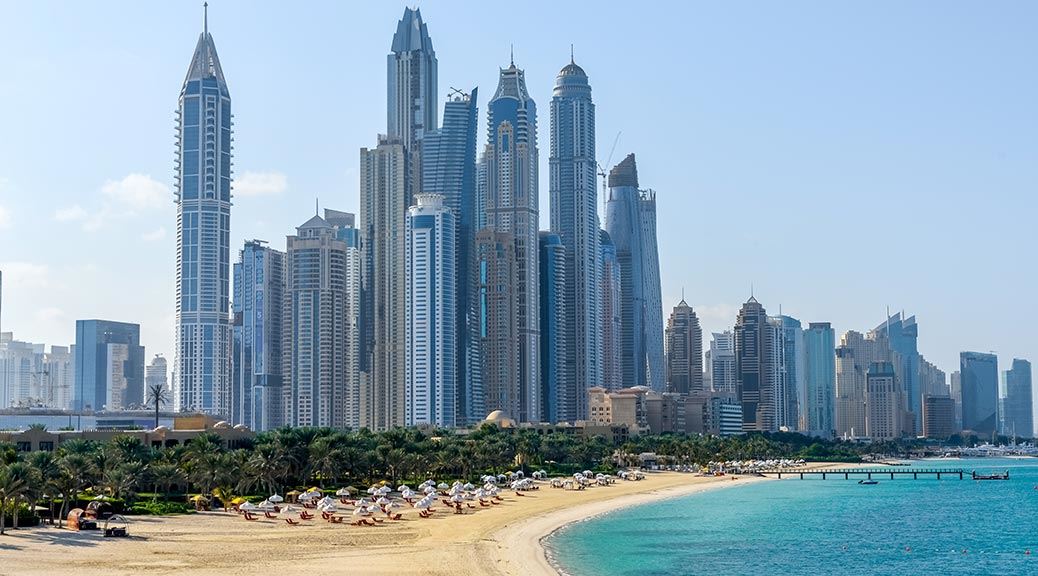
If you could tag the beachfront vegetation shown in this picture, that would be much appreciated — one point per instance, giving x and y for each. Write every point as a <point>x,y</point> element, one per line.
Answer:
<point>144,479</point>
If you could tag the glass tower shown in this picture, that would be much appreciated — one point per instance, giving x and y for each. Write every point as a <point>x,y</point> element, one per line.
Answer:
<point>819,379</point>
<point>557,398</point>
<point>449,169</point>
<point>109,366</point>
<point>979,392</point>
<point>574,217</point>
<point>202,369</point>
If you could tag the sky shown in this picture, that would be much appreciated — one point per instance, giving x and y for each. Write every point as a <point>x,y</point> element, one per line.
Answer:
<point>842,159</point>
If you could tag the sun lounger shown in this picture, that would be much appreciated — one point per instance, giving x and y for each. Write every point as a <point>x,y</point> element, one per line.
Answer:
<point>292,522</point>
<point>249,516</point>
<point>269,515</point>
<point>397,516</point>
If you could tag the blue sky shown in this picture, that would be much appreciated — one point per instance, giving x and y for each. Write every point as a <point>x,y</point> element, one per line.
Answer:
<point>841,157</point>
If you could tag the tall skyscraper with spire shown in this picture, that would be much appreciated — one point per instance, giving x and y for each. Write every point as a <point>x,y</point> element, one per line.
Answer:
<point>758,360</point>
<point>631,223</point>
<point>574,217</point>
<point>202,368</point>
<point>390,175</point>
<point>506,252</point>
<point>684,351</point>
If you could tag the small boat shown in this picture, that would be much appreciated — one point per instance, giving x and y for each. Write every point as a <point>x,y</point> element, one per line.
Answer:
<point>1003,476</point>
<point>868,482</point>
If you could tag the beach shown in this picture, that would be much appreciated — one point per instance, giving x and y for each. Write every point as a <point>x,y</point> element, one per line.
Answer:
<point>500,540</point>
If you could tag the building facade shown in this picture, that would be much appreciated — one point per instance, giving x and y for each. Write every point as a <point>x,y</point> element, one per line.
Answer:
<point>259,287</point>
<point>819,380</point>
<point>902,335</point>
<point>938,417</point>
<point>722,362</point>
<point>202,364</point>
<point>449,169</point>
<point>1019,395</point>
<point>557,401</point>
<point>384,203</point>
<point>883,402</point>
<point>791,372</point>
<point>609,310</point>
<point>411,92</point>
<point>979,377</point>
<point>757,365</point>
<point>506,249</point>
<point>432,378</point>
<point>109,366</point>
<point>316,361</point>
<point>574,218</point>
<point>631,224</point>
<point>684,351</point>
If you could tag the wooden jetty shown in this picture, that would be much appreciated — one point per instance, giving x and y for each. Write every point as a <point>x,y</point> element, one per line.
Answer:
<point>846,473</point>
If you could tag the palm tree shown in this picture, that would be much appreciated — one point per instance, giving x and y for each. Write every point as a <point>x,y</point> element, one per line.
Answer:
<point>14,481</point>
<point>45,468</point>
<point>165,475</point>
<point>73,472</point>
<point>157,395</point>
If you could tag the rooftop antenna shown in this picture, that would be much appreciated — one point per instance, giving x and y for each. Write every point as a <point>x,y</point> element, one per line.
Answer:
<point>205,19</point>
<point>511,54</point>
<point>571,61</point>
<point>317,206</point>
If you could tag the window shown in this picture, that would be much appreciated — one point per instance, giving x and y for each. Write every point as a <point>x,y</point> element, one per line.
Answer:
<point>23,446</point>
<point>47,446</point>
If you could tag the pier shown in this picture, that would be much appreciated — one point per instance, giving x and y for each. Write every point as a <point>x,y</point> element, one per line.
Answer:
<point>825,473</point>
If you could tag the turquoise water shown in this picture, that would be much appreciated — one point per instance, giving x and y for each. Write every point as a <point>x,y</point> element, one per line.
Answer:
<point>820,527</point>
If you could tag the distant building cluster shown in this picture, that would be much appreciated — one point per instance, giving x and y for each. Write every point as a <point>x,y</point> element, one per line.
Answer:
<point>444,301</point>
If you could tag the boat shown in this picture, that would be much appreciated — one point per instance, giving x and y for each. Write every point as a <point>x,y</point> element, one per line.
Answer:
<point>868,482</point>
<point>1003,476</point>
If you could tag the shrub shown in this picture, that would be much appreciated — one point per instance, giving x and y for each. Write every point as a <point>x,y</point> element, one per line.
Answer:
<point>160,508</point>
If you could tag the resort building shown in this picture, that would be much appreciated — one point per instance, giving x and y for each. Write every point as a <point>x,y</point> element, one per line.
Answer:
<point>259,286</point>
<point>431,314</point>
<point>202,364</point>
<point>631,224</point>
<point>573,200</point>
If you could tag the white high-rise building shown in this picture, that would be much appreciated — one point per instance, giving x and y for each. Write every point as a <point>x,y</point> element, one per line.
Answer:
<point>722,362</point>
<point>431,314</point>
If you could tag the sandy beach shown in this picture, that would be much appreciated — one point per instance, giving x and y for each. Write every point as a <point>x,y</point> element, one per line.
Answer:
<point>503,539</point>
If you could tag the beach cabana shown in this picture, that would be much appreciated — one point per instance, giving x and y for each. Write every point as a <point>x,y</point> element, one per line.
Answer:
<point>116,526</point>
<point>78,520</point>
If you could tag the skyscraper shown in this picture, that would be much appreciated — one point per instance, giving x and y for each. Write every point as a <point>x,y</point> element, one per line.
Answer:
<point>383,207</point>
<point>259,287</point>
<point>609,310</point>
<point>1019,420</point>
<point>684,351</point>
<point>449,169</point>
<point>156,374</point>
<point>558,403</point>
<point>431,313</point>
<point>819,379</point>
<point>631,223</point>
<point>979,392</point>
<point>109,365</point>
<point>411,92</point>
<point>722,362</point>
<point>883,402</point>
<point>757,363</point>
<point>317,370</point>
<point>903,335</point>
<point>202,365</point>
<point>59,376</point>
<point>791,371</point>
<point>506,252</point>
<point>574,217</point>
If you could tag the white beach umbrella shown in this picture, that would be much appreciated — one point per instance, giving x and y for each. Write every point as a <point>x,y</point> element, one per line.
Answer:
<point>382,501</point>
<point>403,488</point>
<point>342,491</point>
<point>360,512</point>
<point>276,499</point>
<point>247,506</point>
<point>442,486</point>
<point>430,489</point>
<point>363,502</point>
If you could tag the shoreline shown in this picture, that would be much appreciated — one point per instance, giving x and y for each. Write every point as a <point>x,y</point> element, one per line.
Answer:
<point>526,545</point>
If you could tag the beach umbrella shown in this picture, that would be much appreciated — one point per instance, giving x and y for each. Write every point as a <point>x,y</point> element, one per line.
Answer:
<point>442,486</point>
<point>457,498</point>
<point>363,502</point>
<point>342,492</point>
<point>403,488</point>
<point>469,486</point>
<point>430,489</point>
<point>276,499</point>
<point>237,501</point>
<point>373,508</point>
<point>360,512</point>
<point>382,501</point>
<point>247,506</point>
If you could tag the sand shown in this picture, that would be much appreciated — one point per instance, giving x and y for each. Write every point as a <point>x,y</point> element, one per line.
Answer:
<point>501,540</point>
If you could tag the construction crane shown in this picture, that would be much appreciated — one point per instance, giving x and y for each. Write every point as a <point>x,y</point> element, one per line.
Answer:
<point>602,171</point>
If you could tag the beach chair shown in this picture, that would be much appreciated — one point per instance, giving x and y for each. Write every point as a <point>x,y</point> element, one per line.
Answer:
<point>249,516</point>
<point>397,516</point>
<point>304,515</point>
<point>292,522</point>
<point>269,515</point>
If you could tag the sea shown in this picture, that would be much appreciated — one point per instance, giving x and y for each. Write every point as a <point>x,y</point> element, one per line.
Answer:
<point>821,527</point>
